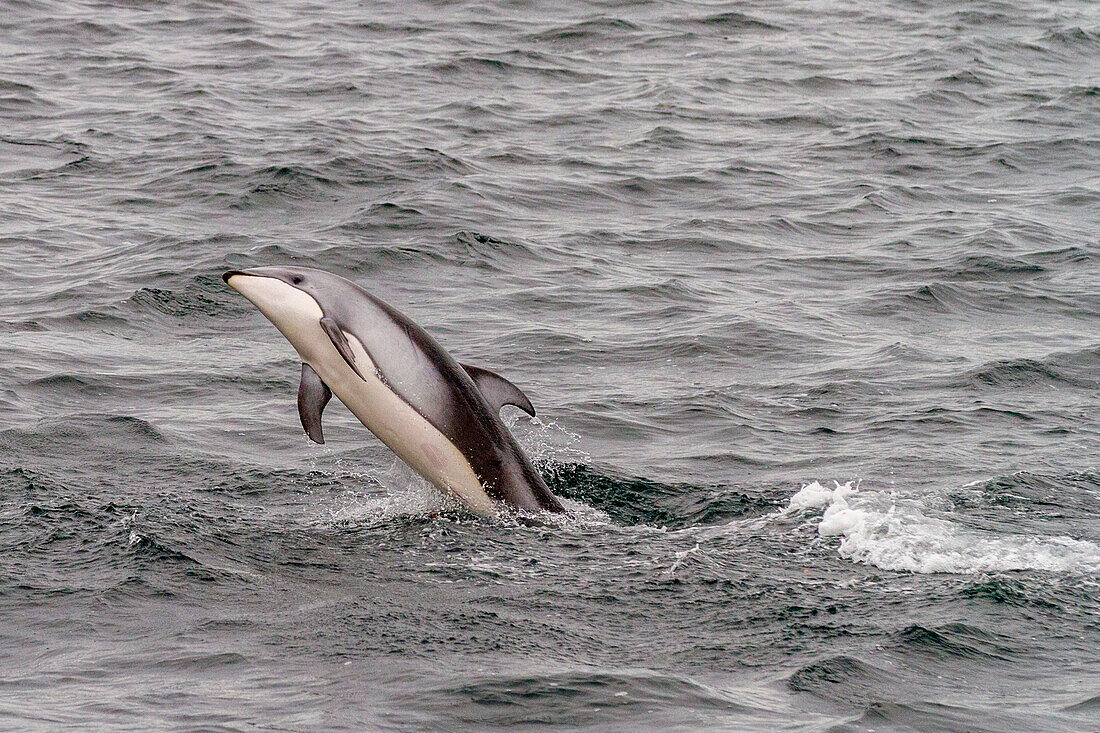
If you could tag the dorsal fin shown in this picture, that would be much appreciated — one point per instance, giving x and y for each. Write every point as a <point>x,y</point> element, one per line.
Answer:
<point>498,391</point>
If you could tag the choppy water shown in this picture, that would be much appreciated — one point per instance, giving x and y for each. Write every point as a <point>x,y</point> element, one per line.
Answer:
<point>806,295</point>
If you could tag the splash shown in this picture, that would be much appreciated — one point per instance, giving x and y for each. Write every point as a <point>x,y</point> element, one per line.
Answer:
<point>127,525</point>
<point>401,492</point>
<point>546,443</point>
<point>894,533</point>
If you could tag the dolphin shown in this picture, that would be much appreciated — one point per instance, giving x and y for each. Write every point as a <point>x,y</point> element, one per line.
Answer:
<point>440,417</point>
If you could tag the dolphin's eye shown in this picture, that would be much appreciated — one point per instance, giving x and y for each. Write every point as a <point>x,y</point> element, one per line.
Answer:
<point>297,279</point>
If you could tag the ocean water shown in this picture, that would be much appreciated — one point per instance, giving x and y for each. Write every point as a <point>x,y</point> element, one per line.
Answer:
<point>806,295</point>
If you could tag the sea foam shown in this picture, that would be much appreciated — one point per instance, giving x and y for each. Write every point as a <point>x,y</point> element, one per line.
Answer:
<point>894,533</point>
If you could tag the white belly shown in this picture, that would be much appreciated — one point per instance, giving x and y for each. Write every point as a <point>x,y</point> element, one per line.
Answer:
<point>415,440</point>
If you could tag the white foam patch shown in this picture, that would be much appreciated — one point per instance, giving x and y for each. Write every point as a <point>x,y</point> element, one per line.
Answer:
<point>811,495</point>
<point>894,533</point>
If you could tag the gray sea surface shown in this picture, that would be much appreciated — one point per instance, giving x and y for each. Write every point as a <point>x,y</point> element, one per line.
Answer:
<point>806,295</point>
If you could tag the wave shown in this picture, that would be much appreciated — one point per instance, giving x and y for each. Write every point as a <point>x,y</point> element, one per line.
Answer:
<point>587,31</point>
<point>927,715</point>
<point>894,533</point>
<point>509,65</point>
<point>1090,705</point>
<point>842,679</point>
<point>732,21</point>
<point>1004,590</point>
<point>989,267</point>
<point>641,501</point>
<point>588,697</point>
<point>1079,369</point>
<point>1061,494</point>
<point>276,183</point>
<point>83,430</point>
<point>191,303</point>
<point>1073,38</point>
<point>953,640</point>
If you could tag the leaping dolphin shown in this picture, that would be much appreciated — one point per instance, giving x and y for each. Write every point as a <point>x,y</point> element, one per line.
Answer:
<point>440,417</point>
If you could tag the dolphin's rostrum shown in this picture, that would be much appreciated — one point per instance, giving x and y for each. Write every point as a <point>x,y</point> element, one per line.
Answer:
<point>440,417</point>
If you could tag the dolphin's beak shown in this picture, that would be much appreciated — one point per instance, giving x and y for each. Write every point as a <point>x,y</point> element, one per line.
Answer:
<point>229,275</point>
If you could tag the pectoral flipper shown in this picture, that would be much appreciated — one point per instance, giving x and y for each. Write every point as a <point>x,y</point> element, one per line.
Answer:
<point>313,395</point>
